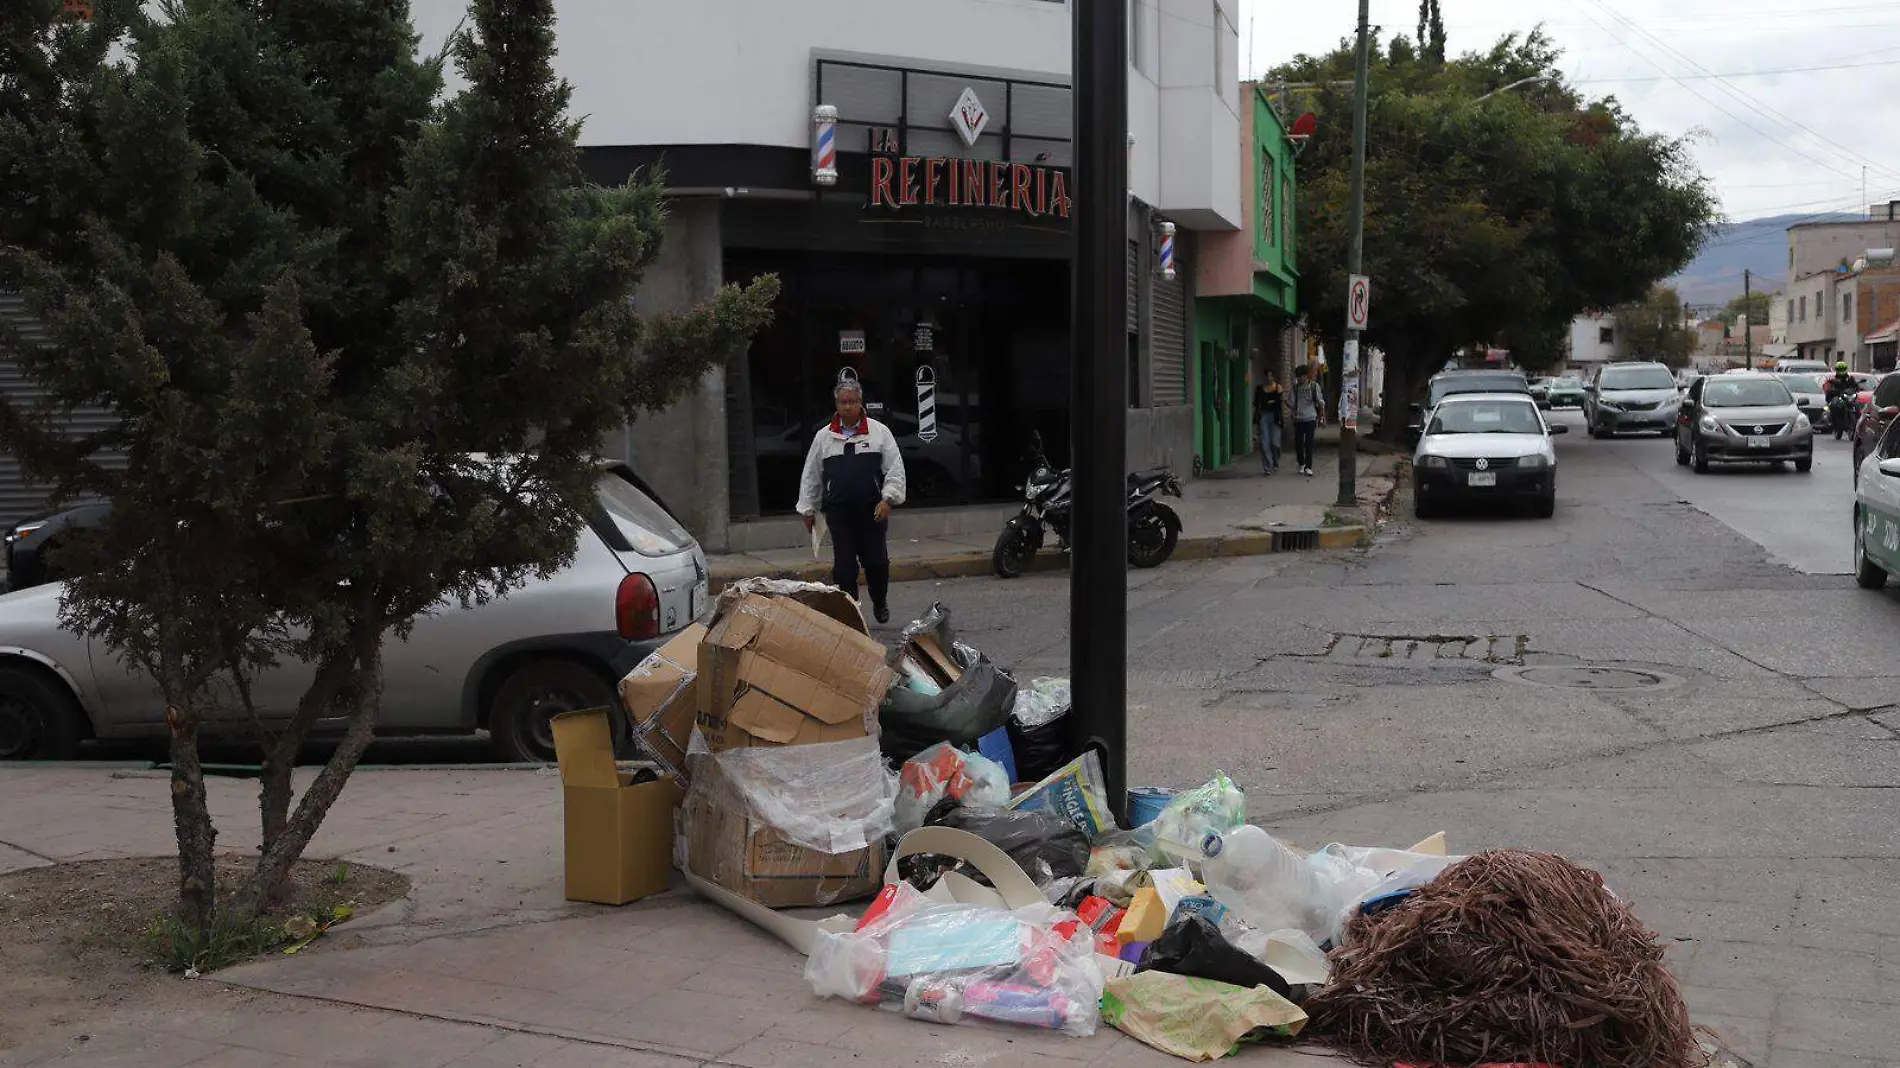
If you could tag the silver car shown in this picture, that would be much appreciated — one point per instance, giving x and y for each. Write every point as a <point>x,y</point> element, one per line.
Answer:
<point>507,667</point>
<point>1632,397</point>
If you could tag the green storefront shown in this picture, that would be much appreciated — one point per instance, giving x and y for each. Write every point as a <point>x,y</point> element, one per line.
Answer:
<point>1246,286</point>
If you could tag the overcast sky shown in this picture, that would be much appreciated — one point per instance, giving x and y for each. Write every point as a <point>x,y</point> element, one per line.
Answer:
<point>1790,142</point>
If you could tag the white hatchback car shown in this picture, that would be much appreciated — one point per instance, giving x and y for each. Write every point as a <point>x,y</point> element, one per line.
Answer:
<point>1877,512</point>
<point>1485,447</point>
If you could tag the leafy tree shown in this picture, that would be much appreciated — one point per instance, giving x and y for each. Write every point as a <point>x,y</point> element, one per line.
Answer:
<point>315,291</point>
<point>1756,305</point>
<point>1487,222</point>
<point>1652,328</point>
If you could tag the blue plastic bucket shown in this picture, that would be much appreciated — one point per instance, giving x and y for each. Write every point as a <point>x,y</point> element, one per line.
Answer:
<point>1145,803</point>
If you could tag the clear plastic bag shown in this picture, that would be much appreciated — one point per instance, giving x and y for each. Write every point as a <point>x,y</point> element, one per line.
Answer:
<point>944,771</point>
<point>1043,701</point>
<point>834,797</point>
<point>1214,807</point>
<point>945,963</point>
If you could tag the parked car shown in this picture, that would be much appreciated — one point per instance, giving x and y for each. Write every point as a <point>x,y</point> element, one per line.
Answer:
<point>1808,396</point>
<point>1876,414</point>
<point>1448,383</point>
<point>1877,509</point>
<point>1565,392</point>
<point>32,547</point>
<point>1806,367</point>
<point>1743,418</point>
<point>507,667</point>
<point>1485,447</point>
<point>1626,397</point>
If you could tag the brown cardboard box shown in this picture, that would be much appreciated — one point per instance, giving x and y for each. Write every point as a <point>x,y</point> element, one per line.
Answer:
<point>722,844</point>
<point>661,697</point>
<point>617,833</point>
<point>776,672</point>
<point>942,667</point>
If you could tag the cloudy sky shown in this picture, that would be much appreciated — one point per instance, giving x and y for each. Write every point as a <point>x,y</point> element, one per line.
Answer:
<point>1774,143</point>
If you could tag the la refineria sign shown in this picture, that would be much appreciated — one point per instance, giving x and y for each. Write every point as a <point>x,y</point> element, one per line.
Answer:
<point>906,181</point>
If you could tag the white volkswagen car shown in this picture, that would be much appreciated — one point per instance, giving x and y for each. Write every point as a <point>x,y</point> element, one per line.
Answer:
<point>1485,447</point>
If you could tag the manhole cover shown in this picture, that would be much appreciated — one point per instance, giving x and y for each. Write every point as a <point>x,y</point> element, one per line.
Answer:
<point>1589,678</point>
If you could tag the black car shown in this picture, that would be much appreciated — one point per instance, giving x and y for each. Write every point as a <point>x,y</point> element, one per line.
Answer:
<point>33,546</point>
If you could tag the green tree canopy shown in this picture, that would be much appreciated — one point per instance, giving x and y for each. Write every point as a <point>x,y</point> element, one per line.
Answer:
<point>314,291</point>
<point>1755,305</point>
<point>1652,328</point>
<point>1490,220</point>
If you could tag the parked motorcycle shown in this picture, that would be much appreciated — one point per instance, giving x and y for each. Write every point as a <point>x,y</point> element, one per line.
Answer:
<point>1840,414</point>
<point>1049,499</point>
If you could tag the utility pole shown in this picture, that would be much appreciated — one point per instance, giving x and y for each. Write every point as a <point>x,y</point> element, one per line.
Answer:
<point>1349,372</point>
<point>1748,332</point>
<point>1098,391</point>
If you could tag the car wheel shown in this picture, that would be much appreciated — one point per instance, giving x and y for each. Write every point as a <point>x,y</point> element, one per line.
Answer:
<point>1682,453</point>
<point>520,722</point>
<point>39,720</point>
<point>1857,459</point>
<point>1867,574</point>
<point>1421,507</point>
<point>1698,458</point>
<point>1546,506</point>
<point>1805,464</point>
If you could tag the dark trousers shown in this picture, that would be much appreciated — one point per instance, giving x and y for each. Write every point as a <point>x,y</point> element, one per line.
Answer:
<point>858,538</point>
<point>1303,431</point>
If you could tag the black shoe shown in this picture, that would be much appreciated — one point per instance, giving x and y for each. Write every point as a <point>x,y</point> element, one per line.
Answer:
<point>881,613</point>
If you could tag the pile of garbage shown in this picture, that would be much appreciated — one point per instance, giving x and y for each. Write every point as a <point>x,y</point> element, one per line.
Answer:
<point>796,762</point>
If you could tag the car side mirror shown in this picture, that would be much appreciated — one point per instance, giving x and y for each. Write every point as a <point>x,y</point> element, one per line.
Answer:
<point>1589,389</point>
<point>1558,428</point>
<point>1890,468</point>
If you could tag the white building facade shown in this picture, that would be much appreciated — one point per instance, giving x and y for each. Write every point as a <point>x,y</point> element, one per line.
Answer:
<point>935,246</point>
<point>1594,341</point>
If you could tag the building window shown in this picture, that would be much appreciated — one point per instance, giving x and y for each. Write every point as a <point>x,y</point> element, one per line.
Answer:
<point>1606,335</point>
<point>1791,311</point>
<point>1820,309</point>
<point>1286,216</point>
<point>1804,309</point>
<point>1847,307</point>
<point>1269,219</point>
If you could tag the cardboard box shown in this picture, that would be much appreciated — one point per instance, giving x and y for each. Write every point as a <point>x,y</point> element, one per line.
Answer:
<point>721,843</point>
<point>617,833</point>
<point>661,697</point>
<point>935,659</point>
<point>776,672</point>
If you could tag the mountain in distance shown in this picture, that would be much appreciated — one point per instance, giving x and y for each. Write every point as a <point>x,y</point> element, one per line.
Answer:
<point>1759,245</point>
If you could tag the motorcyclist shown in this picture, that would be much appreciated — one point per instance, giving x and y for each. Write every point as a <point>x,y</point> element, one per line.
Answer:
<point>1840,393</point>
<point>1841,383</point>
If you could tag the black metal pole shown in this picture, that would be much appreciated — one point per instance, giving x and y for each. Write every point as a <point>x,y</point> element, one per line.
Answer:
<point>1350,372</point>
<point>1098,391</point>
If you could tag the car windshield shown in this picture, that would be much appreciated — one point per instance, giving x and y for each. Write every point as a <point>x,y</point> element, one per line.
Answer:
<point>1445,387</point>
<point>647,526</point>
<point>1485,417</point>
<point>1746,393</point>
<point>1636,378</point>
<point>1566,383</point>
<point>1801,383</point>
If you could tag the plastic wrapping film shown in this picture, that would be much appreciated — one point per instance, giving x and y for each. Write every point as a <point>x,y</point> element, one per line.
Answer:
<point>945,963</point>
<point>834,797</point>
<point>1215,807</point>
<point>1043,701</point>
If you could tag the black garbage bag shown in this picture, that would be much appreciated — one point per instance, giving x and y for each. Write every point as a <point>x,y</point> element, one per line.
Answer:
<point>978,702</point>
<point>1191,945</point>
<point>1045,846</point>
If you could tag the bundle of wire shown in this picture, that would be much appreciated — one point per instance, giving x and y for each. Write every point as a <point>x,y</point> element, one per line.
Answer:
<point>1506,956</point>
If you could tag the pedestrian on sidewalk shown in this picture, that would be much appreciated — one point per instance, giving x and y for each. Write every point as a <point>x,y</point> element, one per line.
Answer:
<point>855,473</point>
<point>1308,408</point>
<point>1269,408</point>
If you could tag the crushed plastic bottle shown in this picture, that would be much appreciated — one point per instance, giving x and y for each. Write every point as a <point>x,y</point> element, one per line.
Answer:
<point>1264,882</point>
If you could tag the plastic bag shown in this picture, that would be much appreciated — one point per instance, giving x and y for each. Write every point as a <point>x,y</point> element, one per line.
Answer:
<point>975,703</point>
<point>945,772</point>
<point>1034,967</point>
<point>1118,850</point>
<point>1076,792</point>
<point>834,797</point>
<point>1039,729</point>
<point>1191,945</point>
<point>1214,807</point>
<point>1047,847</point>
<point>1195,1019</point>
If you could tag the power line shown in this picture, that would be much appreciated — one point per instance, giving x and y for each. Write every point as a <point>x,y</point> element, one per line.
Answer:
<point>1747,73</point>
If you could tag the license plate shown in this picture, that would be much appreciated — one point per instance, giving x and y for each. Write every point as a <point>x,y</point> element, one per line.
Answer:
<point>1757,443</point>
<point>702,591</point>
<point>1482,478</point>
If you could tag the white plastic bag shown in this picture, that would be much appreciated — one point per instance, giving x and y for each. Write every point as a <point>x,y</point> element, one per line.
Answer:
<point>941,771</point>
<point>834,797</point>
<point>1043,701</point>
<point>1187,820</point>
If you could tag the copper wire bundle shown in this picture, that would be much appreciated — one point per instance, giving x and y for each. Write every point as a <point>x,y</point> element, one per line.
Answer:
<point>1507,956</point>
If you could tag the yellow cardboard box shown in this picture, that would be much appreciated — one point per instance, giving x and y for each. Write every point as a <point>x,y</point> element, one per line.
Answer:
<point>617,833</point>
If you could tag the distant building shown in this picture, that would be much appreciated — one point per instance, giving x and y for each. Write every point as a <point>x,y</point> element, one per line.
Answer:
<point>1828,268</point>
<point>1594,340</point>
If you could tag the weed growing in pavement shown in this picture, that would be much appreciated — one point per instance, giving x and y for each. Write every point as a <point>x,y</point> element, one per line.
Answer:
<point>226,940</point>
<point>341,875</point>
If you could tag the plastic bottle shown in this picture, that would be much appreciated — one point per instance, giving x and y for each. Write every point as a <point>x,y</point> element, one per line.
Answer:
<point>1263,882</point>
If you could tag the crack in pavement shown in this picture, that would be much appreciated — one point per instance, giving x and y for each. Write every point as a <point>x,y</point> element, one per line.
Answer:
<point>29,852</point>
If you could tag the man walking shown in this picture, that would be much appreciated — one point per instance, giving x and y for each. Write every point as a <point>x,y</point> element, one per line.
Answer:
<point>855,473</point>
<point>1308,407</point>
<point>1268,409</point>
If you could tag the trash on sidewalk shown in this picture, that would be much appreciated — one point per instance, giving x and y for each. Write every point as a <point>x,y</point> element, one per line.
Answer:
<point>1506,955</point>
<point>1193,1018</point>
<point>775,671</point>
<point>948,691</point>
<point>661,696</point>
<point>944,771</point>
<point>1077,792</point>
<point>1038,727</point>
<point>1194,946</point>
<point>1145,804</point>
<point>617,826</point>
<point>1044,846</point>
<point>1187,820</point>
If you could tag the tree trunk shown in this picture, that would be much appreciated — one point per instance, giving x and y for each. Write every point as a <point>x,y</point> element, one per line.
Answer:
<point>280,758</point>
<point>365,696</point>
<point>191,818</point>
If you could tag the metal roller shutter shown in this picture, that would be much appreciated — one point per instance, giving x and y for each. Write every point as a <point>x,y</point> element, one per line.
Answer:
<point>20,499</point>
<point>1134,287</point>
<point>1170,342</point>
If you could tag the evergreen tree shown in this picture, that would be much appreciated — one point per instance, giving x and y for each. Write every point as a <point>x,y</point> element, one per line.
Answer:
<point>314,293</point>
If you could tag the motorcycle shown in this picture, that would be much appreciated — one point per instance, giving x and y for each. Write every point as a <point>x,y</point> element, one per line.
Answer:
<point>1049,499</point>
<point>1840,414</point>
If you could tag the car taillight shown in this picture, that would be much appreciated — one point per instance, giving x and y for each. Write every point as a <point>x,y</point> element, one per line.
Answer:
<point>637,608</point>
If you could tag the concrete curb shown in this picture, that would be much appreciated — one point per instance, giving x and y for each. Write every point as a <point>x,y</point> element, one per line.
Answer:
<point>974,564</point>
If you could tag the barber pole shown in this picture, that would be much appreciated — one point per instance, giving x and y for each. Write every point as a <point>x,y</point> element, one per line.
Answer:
<point>824,148</point>
<point>1167,251</point>
<point>926,404</point>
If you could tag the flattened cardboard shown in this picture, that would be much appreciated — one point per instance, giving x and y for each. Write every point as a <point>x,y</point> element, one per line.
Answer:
<point>935,659</point>
<point>661,697</point>
<point>722,844</point>
<point>616,833</point>
<point>775,672</point>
